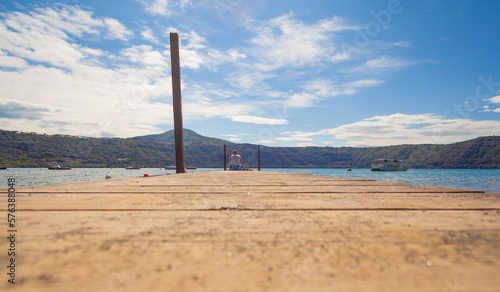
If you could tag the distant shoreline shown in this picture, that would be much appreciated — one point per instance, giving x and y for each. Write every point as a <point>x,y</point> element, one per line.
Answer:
<point>472,179</point>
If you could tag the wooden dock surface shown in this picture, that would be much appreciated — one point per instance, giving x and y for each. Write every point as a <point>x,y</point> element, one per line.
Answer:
<point>253,231</point>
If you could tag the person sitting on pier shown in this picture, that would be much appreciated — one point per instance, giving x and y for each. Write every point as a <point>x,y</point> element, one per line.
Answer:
<point>235,161</point>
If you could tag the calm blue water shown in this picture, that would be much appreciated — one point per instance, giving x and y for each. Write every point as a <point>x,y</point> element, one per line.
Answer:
<point>487,180</point>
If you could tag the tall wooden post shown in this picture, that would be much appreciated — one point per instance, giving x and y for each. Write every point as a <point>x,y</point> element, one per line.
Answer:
<point>225,157</point>
<point>258,157</point>
<point>177,105</point>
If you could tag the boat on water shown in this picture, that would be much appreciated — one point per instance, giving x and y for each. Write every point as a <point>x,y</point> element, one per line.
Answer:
<point>388,165</point>
<point>134,168</point>
<point>58,167</point>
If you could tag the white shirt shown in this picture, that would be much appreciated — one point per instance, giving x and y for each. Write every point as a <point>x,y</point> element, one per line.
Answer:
<point>235,159</point>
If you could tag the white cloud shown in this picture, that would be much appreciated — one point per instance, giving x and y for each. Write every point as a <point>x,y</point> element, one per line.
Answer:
<point>303,99</point>
<point>63,87</point>
<point>306,137</point>
<point>149,35</point>
<point>412,129</point>
<point>164,7</point>
<point>258,120</point>
<point>195,53</point>
<point>265,141</point>
<point>387,45</point>
<point>157,7</point>
<point>323,88</point>
<point>249,81</point>
<point>287,42</point>
<point>145,55</point>
<point>45,35</point>
<point>305,144</point>
<point>339,57</point>
<point>26,110</point>
<point>383,63</point>
<point>116,30</point>
<point>494,99</point>
<point>123,95</point>
<point>387,62</point>
<point>363,83</point>
<point>293,139</point>
<point>11,62</point>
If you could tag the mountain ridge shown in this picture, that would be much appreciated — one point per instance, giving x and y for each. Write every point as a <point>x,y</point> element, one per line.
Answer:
<point>22,149</point>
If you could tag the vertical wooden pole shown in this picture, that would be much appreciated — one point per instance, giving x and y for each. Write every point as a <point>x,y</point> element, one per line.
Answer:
<point>177,105</point>
<point>225,158</point>
<point>258,157</point>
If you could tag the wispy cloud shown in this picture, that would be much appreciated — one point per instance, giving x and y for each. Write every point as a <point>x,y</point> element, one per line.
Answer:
<point>157,7</point>
<point>163,7</point>
<point>54,71</point>
<point>306,138</point>
<point>381,64</point>
<point>287,42</point>
<point>387,62</point>
<point>391,45</point>
<point>22,109</point>
<point>317,90</point>
<point>149,35</point>
<point>258,120</point>
<point>412,129</point>
<point>494,99</point>
<point>197,54</point>
<point>11,62</point>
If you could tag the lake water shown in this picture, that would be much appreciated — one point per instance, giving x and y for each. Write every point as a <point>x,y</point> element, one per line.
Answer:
<point>487,180</point>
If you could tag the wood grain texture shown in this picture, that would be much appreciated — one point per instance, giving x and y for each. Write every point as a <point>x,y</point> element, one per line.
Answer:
<point>255,231</point>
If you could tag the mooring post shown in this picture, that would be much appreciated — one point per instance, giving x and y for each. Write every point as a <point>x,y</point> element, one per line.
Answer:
<point>225,158</point>
<point>258,157</point>
<point>177,105</point>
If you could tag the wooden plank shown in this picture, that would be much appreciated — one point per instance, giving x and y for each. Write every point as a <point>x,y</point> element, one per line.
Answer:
<point>259,251</point>
<point>290,232</point>
<point>252,201</point>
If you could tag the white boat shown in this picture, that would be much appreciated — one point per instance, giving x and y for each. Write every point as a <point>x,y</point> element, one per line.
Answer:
<point>58,167</point>
<point>388,165</point>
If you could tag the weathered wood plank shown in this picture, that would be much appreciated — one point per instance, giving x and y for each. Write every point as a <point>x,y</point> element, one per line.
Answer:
<point>252,201</point>
<point>267,232</point>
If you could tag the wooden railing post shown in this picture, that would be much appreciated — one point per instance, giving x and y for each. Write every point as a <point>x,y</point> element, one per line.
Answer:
<point>177,104</point>
<point>225,157</point>
<point>258,157</point>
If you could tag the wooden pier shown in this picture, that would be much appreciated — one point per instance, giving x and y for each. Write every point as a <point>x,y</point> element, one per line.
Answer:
<point>253,231</point>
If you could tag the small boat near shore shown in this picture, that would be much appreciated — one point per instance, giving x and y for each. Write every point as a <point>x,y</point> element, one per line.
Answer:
<point>132,168</point>
<point>388,165</point>
<point>58,167</point>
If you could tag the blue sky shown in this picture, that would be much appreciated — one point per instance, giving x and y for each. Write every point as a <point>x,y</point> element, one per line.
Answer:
<point>276,73</point>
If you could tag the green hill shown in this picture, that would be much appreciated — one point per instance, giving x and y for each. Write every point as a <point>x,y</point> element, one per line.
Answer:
<point>19,149</point>
<point>190,137</point>
<point>34,150</point>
